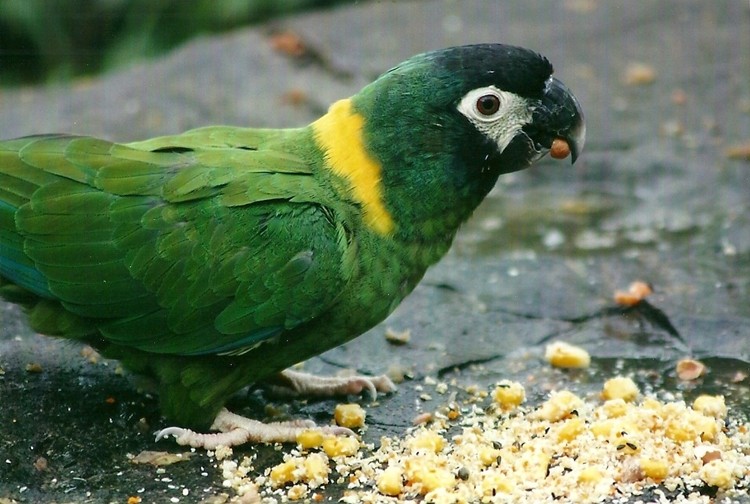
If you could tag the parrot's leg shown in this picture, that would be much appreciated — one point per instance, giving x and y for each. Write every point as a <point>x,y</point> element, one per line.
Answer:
<point>295,383</point>
<point>236,430</point>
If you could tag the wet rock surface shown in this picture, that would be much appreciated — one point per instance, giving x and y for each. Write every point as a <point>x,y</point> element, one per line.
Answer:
<point>661,194</point>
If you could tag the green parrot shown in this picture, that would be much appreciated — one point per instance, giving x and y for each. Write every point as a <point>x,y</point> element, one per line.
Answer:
<point>217,258</point>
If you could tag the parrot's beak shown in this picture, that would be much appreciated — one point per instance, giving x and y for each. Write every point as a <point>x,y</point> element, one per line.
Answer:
<point>559,116</point>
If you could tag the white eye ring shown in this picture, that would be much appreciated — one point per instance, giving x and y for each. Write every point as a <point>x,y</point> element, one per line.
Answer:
<point>497,114</point>
<point>484,104</point>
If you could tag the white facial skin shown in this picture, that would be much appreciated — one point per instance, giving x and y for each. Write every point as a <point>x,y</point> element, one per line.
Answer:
<point>497,114</point>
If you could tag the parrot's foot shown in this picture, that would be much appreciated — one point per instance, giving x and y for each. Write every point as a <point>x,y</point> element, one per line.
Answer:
<point>236,430</point>
<point>295,383</point>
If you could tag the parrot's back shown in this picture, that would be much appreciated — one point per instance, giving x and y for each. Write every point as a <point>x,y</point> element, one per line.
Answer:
<point>187,245</point>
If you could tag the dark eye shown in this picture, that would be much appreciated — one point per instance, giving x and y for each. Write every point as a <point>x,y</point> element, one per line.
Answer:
<point>488,104</point>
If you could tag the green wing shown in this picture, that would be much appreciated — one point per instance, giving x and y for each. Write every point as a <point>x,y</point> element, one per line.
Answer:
<point>208,242</point>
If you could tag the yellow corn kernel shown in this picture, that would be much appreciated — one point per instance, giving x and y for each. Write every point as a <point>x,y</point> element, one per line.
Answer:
<point>562,404</point>
<point>711,405</point>
<point>508,394</point>
<point>428,476</point>
<point>494,483</point>
<point>680,430</point>
<point>427,440</point>
<point>655,469</point>
<point>338,446</point>
<point>652,404</point>
<point>391,481</point>
<point>602,428</point>
<point>316,468</point>
<point>620,387</point>
<point>590,475</point>
<point>717,473</point>
<point>349,415</point>
<point>707,426</point>
<point>564,355</point>
<point>535,464</point>
<point>310,439</point>
<point>571,429</point>
<point>614,408</point>
<point>284,473</point>
<point>488,455</point>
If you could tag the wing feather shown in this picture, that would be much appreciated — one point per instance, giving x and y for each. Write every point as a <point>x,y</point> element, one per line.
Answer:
<point>208,242</point>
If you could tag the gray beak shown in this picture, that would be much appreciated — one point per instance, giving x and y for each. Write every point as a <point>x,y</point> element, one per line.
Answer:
<point>559,116</point>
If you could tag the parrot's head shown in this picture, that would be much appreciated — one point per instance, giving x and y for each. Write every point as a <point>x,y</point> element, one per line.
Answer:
<point>442,126</point>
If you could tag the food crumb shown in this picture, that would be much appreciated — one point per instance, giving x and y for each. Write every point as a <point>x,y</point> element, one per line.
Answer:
<point>508,394</point>
<point>620,387</point>
<point>690,369</point>
<point>564,355</point>
<point>639,74</point>
<point>349,415</point>
<point>573,447</point>
<point>559,149</point>
<point>637,292</point>
<point>397,337</point>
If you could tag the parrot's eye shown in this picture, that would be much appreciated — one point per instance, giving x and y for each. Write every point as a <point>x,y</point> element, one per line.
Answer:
<point>499,115</point>
<point>487,105</point>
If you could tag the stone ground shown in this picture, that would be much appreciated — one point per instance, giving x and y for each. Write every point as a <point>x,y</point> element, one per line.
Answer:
<point>662,194</point>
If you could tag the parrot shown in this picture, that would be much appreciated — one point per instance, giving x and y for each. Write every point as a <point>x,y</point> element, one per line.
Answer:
<point>213,260</point>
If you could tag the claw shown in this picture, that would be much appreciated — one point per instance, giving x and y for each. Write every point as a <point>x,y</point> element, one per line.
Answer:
<point>296,383</point>
<point>236,430</point>
<point>170,431</point>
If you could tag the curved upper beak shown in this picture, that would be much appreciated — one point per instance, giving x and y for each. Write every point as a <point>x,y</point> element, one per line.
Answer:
<point>560,116</point>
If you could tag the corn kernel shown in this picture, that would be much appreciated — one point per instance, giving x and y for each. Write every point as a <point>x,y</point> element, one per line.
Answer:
<point>620,387</point>
<point>349,415</point>
<point>564,355</point>
<point>571,429</point>
<point>488,455</point>
<point>535,464</point>
<point>655,469</point>
<point>717,473</point>
<point>590,475</point>
<point>614,408</point>
<point>494,483</point>
<point>310,439</point>
<point>602,428</point>
<point>427,440</point>
<point>428,476</point>
<point>338,446</point>
<point>284,473</point>
<point>390,481</point>
<point>652,404</point>
<point>560,405</point>
<point>707,427</point>
<point>316,468</point>
<point>711,405</point>
<point>677,429</point>
<point>614,428</point>
<point>509,395</point>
